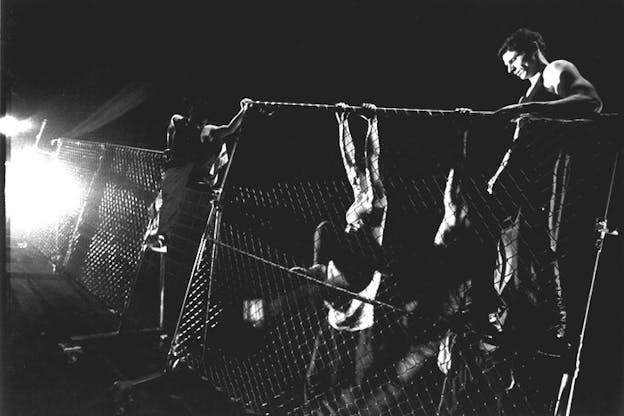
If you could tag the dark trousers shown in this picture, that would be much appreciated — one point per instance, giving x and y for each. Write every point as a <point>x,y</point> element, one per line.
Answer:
<point>500,382</point>
<point>172,192</point>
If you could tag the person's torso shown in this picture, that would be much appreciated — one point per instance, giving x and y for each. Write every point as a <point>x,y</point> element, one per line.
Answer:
<point>529,184</point>
<point>185,144</point>
<point>539,92</point>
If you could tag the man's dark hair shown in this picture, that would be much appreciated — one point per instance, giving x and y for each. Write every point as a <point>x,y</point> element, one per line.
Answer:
<point>197,109</point>
<point>523,41</point>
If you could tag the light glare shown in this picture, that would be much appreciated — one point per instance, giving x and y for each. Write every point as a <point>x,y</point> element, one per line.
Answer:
<point>10,126</point>
<point>39,191</point>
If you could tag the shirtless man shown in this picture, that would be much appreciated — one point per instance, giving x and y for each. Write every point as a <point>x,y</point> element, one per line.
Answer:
<point>520,354</point>
<point>556,89</point>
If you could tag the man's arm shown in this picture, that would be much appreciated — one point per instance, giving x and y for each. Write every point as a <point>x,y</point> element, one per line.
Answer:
<point>347,148</point>
<point>171,129</point>
<point>455,210</point>
<point>578,96</point>
<point>211,132</point>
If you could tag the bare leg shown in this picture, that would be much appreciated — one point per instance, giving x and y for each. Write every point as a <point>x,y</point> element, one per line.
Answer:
<point>380,201</point>
<point>358,175</point>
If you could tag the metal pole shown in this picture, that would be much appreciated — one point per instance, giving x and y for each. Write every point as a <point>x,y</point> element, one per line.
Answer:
<point>83,208</point>
<point>213,221</point>
<point>38,137</point>
<point>217,208</point>
<point>603,232</point>
<point>162,274</point>
<point>172,354</point>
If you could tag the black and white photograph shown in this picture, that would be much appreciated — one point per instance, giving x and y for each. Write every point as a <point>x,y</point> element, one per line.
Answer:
<point>348,207</point>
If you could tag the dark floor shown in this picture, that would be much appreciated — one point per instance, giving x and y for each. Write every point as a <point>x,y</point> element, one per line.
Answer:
<point>44,311</point>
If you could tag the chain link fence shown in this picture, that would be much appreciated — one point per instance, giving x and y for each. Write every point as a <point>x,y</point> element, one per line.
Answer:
<point>485,322</point>
<point>480,296</point>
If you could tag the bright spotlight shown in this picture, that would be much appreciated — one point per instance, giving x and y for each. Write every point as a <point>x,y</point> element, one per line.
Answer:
<point>10,126</point>
<point>39,191</point>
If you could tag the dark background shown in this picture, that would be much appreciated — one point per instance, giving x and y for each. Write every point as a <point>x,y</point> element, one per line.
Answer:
<point>115,70</point>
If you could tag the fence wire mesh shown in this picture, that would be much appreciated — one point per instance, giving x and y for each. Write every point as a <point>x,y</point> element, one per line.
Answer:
<point>53,237</point>
<point>480,293</point>
<point>98,242</point>
<point>114,222</point>
<point>467,305</point>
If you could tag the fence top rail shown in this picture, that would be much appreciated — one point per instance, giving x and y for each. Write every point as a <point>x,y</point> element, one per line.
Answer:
<point>417,111</point>
<point>62,140</point>
<point>362,109</point>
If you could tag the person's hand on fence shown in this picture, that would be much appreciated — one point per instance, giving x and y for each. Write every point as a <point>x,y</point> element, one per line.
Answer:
<point>370,110</point>
<point>341,111</point>
<point>246,103</point>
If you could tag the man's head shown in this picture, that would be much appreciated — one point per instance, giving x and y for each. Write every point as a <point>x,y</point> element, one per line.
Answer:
<point>522,53</point>
<point>197,110</point>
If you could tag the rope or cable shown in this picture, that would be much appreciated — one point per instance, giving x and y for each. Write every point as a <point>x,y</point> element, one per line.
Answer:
<point>311,279</point>
<point>377,110</point>
<point>418,111</point>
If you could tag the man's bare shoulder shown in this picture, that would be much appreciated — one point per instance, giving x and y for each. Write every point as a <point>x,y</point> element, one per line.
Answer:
<point>208,128</point>
<point>560,65</point>
<point>207,132</point>
<point>556,70</point>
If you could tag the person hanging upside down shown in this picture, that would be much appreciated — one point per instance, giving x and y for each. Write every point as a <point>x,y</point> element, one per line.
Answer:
<point>349,258</point>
